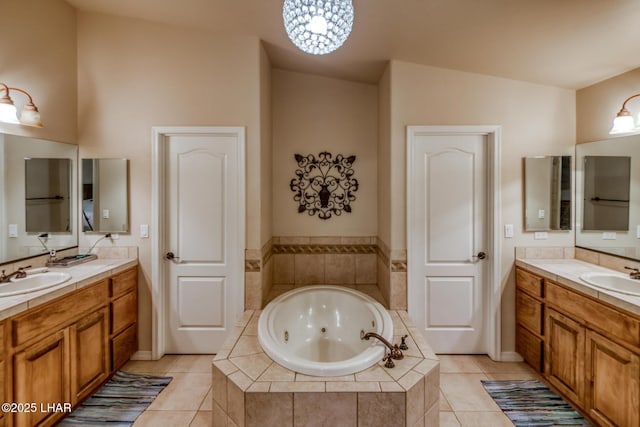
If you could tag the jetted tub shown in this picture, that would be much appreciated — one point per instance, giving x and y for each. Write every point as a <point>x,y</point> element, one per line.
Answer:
<point>316,330</point>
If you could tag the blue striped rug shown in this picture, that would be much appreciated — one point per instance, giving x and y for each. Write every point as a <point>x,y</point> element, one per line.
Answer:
<point>118,402</point>
<point>529,403</point>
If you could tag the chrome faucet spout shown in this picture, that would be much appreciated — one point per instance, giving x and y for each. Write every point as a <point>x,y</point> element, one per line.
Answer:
<point>396,353</point>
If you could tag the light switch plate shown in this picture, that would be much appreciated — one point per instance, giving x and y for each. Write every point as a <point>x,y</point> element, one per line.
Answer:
<point>609,235</point>
<point>105,213</point>
<point>144,231</point>
<point>540,235</point>
<point>540,213</point>
<point>508,231</point>
<point>13,230</point>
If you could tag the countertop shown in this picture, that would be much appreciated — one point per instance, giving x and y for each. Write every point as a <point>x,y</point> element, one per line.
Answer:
<point>81,275</point>
<point>567,272</point>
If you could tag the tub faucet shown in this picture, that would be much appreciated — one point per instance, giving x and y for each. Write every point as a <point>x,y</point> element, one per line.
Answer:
<point>635,273</point>
<point>19,273</point>
<point>394,351</point>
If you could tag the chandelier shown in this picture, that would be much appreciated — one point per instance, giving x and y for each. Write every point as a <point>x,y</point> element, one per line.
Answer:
<point>318,27</point>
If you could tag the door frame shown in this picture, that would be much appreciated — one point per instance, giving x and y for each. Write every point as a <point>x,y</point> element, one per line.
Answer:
<point>492,313</point>
<point>158,229</point>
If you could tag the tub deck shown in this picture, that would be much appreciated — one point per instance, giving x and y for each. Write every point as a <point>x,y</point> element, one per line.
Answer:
<point>249,389</point>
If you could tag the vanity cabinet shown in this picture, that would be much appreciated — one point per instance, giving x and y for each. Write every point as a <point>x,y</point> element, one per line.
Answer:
<point>590,349</point>
<point>124,315</point>
<point>62,351</point>
<point>530,318</point>
<point>2,368</point>
<point>564,350</point>
<point>90,354</point>
<point>613,373</point>
<point>41,376</point>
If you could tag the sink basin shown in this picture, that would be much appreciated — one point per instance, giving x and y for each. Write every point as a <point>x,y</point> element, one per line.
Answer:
<point>613,282</point>
<point>33,282</point>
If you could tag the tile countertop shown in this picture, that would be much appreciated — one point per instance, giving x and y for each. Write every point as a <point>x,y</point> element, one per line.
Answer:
<point>567,272</point>
<point>81,275</point>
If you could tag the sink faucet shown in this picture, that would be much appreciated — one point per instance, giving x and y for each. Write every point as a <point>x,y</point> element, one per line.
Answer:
<point>635,273</point>
<point>394,350</point>
<point>19,273</point>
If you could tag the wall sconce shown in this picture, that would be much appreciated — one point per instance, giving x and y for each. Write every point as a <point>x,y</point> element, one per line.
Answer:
<point>9,114</point>
<point>623,123</point>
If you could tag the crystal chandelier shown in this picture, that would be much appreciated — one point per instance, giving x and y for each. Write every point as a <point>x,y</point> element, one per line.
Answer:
<point>318,27</point>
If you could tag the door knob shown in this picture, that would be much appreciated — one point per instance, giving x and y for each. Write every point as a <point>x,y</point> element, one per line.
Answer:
<point>172,257</point>
<point>481,255</point>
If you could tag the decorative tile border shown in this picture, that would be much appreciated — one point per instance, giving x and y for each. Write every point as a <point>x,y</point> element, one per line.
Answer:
<point>398,266</point>
<point>384,253</point>
<point>266,257</point>
<point>312,249</point>
<point>251,266</point>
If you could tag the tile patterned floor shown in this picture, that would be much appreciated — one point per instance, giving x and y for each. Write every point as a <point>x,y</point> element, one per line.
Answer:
<point>186,402</point>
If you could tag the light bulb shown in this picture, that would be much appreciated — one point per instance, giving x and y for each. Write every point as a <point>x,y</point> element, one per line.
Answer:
<point>8,113</point>
<point>317,25</point>
<point>623,123</point>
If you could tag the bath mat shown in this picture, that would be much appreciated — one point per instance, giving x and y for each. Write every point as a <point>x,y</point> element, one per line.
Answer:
<point>530,403</point>
<point>118,402</point>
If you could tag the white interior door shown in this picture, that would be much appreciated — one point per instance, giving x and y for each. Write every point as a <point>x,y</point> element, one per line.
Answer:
<point>447,239</point>
<point>204,243</point>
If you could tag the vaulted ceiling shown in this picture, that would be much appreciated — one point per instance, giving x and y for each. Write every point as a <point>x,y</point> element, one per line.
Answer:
<point>565,43</point>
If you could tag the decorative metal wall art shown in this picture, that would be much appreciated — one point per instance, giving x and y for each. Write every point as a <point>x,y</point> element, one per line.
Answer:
<point>324,186</point>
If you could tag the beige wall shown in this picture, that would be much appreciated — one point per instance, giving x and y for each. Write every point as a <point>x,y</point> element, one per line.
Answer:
<point>384,157</point>
<point>133,75</point>
<point>265,148</point>
<point>38,54</point>
<point>313,114</point>
<point>597,105</point>
<point>535,120</point>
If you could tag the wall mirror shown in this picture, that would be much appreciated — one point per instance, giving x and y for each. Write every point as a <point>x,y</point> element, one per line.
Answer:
<point>47,195</point>
<point>38,195</point>
<point>608,196</point>
<point>605,203</point>
<point>105,195</point>
<point>547,193</point>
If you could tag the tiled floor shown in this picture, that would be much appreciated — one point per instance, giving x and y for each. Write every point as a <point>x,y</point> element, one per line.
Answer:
<point>186,402</point>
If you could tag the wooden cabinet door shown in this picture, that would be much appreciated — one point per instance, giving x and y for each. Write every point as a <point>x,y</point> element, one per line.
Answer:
<point>2,396</point>
<point>89,354</point>
<point>41,376</point>
<point>564,355</point>
<point>613,392</point>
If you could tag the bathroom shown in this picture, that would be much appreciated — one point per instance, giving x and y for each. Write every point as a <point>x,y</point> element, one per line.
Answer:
<point>84,67</point>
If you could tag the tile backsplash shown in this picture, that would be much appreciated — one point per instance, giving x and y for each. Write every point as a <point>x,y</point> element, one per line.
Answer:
<point>354,261</point>
<point>606,260</point>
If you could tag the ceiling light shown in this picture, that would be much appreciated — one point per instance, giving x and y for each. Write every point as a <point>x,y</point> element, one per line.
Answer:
<point>318,27</point>
<point>9,114</point>
<point>623,123</point>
